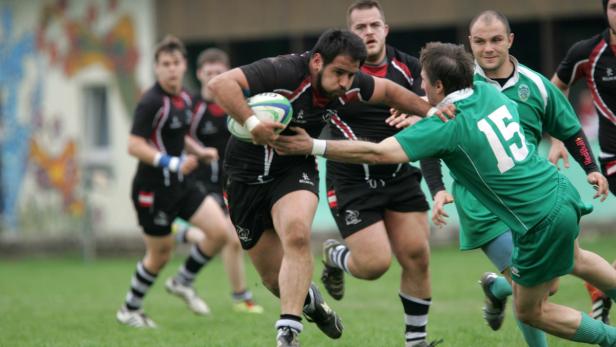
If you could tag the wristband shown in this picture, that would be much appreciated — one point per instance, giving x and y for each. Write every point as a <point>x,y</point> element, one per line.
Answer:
<point>167,161</point>
<point>431,111</point>
<point>252,122</point>
<point>318,147</point>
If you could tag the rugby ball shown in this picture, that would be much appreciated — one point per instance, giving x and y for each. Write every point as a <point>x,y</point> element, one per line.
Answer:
<point>266,106</point>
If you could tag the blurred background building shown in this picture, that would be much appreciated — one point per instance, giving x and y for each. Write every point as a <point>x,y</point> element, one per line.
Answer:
<point>71,73</point>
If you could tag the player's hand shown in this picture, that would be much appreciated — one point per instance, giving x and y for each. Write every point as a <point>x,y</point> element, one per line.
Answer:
<point>441,199</point>
<point>208,154</point>
<point>189,163</point>
<point>265,132</point>
<point>599,182</point>
<point>557,152</point>
<point>401,120</point>
<point>446,112</point>
<point>298,144</point>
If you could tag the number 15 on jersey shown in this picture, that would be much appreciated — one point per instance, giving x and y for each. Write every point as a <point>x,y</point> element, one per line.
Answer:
<point>505,159</point>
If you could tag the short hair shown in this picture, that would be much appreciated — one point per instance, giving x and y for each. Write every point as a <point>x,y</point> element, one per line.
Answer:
<point>364,5</point>
<point>449,63</point>
<point>211,56</point>
<point>488,16</point>
<point>335,42</point>
<point>169,44</point>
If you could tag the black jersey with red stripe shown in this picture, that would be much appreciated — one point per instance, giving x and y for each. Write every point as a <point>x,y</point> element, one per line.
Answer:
<point>209,129</point>
<point>594,60</point>
<point>163,119</point>
<point>367,122</point>
<point>287,75</point>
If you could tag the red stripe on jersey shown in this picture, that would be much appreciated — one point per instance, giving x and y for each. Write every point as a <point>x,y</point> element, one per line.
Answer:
<point>610,168</point>
<point>592,85</point>
<point>225,198</point>
<point>404,69</point>
<point>378,71</point>
<point>215,110</point>
<point>350,95</point>
<point>145,199</point>
<point>292,95</point>
<point>344,128</point>
<point>178,102</point>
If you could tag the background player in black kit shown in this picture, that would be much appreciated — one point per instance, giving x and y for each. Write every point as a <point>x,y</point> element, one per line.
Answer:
<point>379,209</point>
<point>594,59</point>
<point>160,192</point>
<point>209,129</point>
<point>273,199</point>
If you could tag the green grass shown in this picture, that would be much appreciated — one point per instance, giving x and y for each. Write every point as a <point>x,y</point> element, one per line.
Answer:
<point>64,302</point>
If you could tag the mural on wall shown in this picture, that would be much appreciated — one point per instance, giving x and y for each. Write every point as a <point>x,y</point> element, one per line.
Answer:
<point>69,42</point>
<point>87,42</point>
<point>14,52</point>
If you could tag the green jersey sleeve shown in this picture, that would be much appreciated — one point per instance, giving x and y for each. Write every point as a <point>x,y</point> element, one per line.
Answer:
<point>430,137</point>
<point>559,119</point>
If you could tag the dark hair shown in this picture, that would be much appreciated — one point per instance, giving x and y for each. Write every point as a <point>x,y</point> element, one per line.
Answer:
<point>335,42</point>
<point>364,5</point>
<point>169,44</point>
<point>488,16</point>
<point>449,63</point>
<point>211,56</point>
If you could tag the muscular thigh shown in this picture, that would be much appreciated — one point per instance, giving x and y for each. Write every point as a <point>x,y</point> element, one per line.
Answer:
<point>408,232</point>
<point>369,243</point>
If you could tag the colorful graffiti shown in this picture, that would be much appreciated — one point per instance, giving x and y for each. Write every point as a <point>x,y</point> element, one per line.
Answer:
<point>70,42</point>
<point>59,173</point>
<point>115,48</point>
<point>14,146</point>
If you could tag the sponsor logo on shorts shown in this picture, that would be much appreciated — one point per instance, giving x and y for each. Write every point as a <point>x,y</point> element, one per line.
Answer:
<point>352,217</point>
<point>146,199</point>
<point>161,219</point>
<point>243,233</point>
<point>515,272</point>
<point>306,179</point>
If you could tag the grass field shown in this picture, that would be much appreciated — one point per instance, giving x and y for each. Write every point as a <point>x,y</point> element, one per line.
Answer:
<point>64,302</point>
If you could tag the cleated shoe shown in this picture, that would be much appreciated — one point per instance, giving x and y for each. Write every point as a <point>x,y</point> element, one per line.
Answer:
<point>287,337</point>
<point>134,318</point>
<point>424,343</point>
<point>332,277</point>
<point>189,295</point>
<point>324,317</point>
<point>601,309</point>
<point>493,308</point>
<point>247,306</point>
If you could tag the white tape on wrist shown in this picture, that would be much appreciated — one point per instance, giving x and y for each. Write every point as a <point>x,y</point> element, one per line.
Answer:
<point>431,111</point>
<point>252,122</point>
<point>156,160</point>
<point>174,164</point>
<point>318,147</point>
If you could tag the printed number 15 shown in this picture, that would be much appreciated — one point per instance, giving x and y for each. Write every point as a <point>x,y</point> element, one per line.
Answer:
<point>519,153</point>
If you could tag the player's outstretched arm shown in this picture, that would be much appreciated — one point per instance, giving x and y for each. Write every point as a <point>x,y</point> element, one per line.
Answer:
<point>387,151</point>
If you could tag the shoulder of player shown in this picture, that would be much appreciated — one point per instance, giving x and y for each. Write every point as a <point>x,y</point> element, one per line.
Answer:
<point>582,49</point>
<point>152,97</point>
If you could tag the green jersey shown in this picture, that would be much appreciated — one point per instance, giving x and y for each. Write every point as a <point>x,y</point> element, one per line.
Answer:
<point>486,150</point>
<point>542,107</point>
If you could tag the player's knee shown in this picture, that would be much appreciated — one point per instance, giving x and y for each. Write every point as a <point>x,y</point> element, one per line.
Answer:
<point>528,315</point>
<point>373,268</point>
<point>419,258</point>
<point>233,244</point>
<point>296,236</point>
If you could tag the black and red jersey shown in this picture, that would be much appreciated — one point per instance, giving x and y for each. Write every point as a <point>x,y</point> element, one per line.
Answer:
<point>163,119</point>
<point>209,129</point>
<point>287,75</point>
<point>594,60</point>
<point>367,122</point>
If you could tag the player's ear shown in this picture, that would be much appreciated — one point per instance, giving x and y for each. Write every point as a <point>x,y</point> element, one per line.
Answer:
<point>316,61</point>
<point>386,30</point>
<point>511,37</point>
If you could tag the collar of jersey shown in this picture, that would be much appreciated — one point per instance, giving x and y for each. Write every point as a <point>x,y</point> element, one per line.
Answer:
<point>510,83</point>
<point>455,96</point>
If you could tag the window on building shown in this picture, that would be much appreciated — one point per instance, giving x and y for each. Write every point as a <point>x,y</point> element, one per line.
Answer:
<point>96,137</point>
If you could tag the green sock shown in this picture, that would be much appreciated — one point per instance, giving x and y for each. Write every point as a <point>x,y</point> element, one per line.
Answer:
<point>501,288</point>
<point>533,336</point>
<point>595,332</point>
